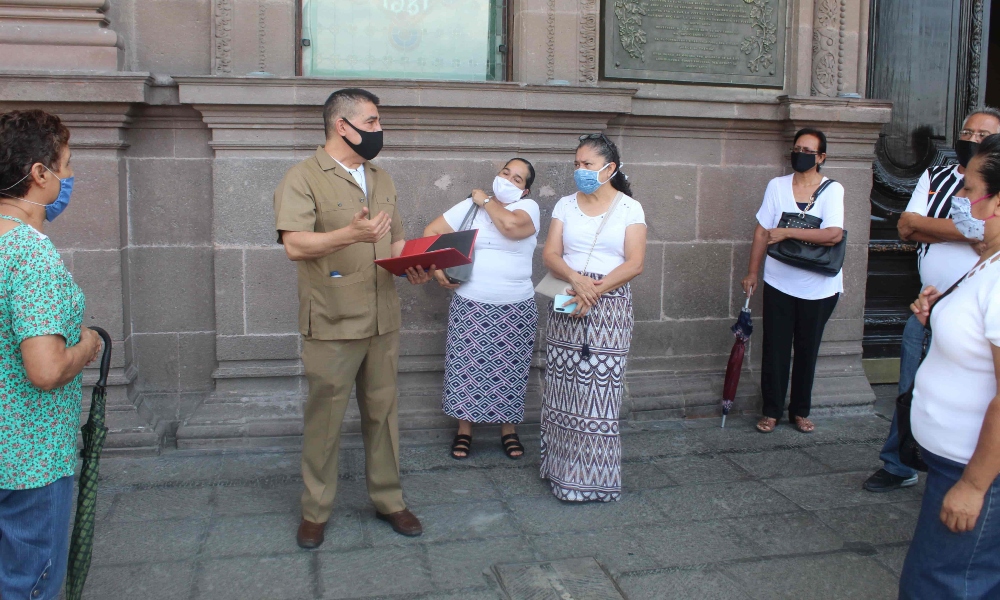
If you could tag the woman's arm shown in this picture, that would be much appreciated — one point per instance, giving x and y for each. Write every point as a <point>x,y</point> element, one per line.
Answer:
<point>758,250</point>
<point>635,256</point>
<point>513,225</point>
<point>830,236</point>
<point>49,364</point>
<point>964,501</point>
<point>438,226</point>
<point>585,288</point>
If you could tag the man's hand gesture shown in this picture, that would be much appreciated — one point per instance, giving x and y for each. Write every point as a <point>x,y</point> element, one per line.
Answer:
<point>369,231</point>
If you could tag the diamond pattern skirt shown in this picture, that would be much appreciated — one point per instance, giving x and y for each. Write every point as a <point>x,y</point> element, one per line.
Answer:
<point>581,450</point>
<point>487,359</point>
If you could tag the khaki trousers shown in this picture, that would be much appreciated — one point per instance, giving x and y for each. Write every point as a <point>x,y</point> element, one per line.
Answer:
<point>332,368</point>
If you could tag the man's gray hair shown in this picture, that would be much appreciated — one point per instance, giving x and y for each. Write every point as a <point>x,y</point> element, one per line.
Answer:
<point>344,104</point>
<point>983,110</point>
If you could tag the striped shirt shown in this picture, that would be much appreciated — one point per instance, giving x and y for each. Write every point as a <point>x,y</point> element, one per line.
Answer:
<point>943,263</point>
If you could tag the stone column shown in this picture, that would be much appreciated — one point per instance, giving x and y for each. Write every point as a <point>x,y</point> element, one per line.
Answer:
<point>60,35</point>
<point>839,47</point>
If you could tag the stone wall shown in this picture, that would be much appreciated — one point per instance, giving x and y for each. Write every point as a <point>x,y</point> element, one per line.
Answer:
<point>170,232</point>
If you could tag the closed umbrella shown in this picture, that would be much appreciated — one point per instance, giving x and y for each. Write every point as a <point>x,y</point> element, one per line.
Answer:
<point>81,544</point>
<point>741,330</point>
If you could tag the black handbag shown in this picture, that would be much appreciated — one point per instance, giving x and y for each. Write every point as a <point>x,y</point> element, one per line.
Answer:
<point>910,452</point>
<point>825,260</point>
<point>463,273</point>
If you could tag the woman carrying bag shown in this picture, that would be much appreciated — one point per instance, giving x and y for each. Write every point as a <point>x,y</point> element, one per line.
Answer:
<point>595,247</point>
<point>800,228</point>
<point>493,319</point>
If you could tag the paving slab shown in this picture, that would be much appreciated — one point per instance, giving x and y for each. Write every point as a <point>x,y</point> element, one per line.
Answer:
<point>686,544</point>
<point>157,581</point>
<point>872,524</point>
<point>576,578</point>
<point>841,575</point>
<point>778,463</point>
<point>448,522</point>
<point>848,457</point>
<point>138,542</point>
<point>374,572</point>
<point>681,584</point>
<point>462,564</point>
<point>549,515</point>
<point>519,483</point>
<point>277,578</point>
<point>689,470</point>
<point>710,501</point>
<point>836,490</point>
<point>790,534</point>
<point>162,503</point>
<point>444,487</point>
<point>617,549</point>
<point>244,500</point>
<point>892,557</point>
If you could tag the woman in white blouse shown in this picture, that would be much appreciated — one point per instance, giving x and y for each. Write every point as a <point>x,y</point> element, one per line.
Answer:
<point>587,350</point>
<point>955,417</point>
<point>797,303</point>
<point>493,319</point>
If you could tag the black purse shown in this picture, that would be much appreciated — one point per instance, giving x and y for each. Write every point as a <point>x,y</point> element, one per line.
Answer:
<point>910,452</point>
<point>825,260</point>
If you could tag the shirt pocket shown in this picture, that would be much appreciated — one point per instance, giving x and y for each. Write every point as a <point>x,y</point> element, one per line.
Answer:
<point>338,217</point>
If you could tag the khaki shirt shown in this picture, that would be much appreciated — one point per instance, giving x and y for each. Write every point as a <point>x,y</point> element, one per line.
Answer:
<point>320,195</point>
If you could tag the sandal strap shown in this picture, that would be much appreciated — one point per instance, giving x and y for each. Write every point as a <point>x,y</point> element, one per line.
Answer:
<point>463,438</point>
<point>509,436</point>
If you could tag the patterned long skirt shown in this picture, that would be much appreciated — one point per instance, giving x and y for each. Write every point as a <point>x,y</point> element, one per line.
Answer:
<point>581,451</point>
<point>487,359</point>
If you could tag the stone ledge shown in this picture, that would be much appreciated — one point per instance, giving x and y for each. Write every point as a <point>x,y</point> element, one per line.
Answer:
<point>74,87</point>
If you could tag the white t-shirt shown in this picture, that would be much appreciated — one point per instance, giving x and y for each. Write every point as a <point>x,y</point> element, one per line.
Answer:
<point>358,175</point>
<point>579,230</point>
<point>501,271</point>
<point>778,199</point>
<point>956,382</point>
<point>943,263</point>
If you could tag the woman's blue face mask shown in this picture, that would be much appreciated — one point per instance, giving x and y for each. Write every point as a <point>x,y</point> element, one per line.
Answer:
<point>61,202</point>
<point>588,181</point>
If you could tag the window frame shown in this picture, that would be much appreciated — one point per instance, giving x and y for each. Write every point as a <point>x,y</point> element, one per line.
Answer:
<point>504,67</point>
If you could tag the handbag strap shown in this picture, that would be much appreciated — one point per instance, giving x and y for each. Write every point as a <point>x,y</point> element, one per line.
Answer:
<point>470,217</point>
<point>815,195</point>
<point>600,227</point>
<point>927,326</point>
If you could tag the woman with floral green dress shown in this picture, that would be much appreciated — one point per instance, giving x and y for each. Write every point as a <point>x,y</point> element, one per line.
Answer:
<point>43,350</point>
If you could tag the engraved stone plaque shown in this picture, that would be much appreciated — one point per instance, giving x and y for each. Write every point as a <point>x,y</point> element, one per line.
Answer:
<point>727,42</point>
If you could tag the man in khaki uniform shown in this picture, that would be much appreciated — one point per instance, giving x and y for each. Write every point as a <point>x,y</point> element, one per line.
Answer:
<point>348,308</point>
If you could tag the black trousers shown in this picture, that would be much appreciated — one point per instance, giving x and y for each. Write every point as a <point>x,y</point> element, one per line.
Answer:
<point>791,322</point>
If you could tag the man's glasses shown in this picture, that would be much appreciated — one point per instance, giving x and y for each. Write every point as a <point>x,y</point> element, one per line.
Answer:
<point>802,150</point>
<point>968,134</point>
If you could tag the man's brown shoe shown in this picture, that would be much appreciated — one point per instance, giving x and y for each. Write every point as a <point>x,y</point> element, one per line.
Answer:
<point>403,522</point>
<point>310,534</point>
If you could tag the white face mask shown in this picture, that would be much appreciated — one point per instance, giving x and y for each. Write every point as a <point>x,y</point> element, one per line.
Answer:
<point>505,191</point>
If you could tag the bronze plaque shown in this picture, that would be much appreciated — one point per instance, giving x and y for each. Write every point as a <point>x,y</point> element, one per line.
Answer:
<point>727,42</point>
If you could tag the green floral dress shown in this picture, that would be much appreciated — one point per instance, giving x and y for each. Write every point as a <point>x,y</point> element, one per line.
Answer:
<point>39,297</point>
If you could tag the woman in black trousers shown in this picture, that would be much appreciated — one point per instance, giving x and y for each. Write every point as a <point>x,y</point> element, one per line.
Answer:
<point>797,302</point>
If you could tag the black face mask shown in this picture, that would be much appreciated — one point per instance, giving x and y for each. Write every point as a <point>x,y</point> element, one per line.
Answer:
<point>371,142</point>
<point>965,149</point>
<point>802,162</point>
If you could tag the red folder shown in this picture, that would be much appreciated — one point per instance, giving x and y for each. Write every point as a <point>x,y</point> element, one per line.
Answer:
<point>442,251</point>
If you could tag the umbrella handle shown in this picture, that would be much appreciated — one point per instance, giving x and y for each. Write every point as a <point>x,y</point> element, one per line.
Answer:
<point>102,381</point>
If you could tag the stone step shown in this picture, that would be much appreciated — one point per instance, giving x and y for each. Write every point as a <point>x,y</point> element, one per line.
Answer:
<point>128,433</point>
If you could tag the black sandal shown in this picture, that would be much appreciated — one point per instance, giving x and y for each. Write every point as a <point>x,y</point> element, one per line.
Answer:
<point>511,443</point>
<point>461,443</point>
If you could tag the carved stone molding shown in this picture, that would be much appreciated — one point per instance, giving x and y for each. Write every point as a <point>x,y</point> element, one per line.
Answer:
<point>588,42</point>
<point>550,40</point>
<point>58,35</point>
<point>828,33</point>
<point>975,57</point>
<point>222,37</point>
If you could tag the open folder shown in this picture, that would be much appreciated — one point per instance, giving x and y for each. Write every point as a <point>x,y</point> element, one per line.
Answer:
<point>442,251</point>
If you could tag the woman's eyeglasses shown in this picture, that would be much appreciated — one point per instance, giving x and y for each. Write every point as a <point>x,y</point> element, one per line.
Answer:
<point>596,136</point>
<point>802,150</point>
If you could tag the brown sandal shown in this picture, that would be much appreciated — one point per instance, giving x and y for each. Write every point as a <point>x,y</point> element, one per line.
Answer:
<point>803,425</point>
<point>766,424</point>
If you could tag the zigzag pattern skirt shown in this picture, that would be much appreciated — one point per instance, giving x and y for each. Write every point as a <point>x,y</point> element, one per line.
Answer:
<point>487,359</point>
<point>581,451</point>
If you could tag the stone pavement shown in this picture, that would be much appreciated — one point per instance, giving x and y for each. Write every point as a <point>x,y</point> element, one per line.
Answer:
<point>707,513</point>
